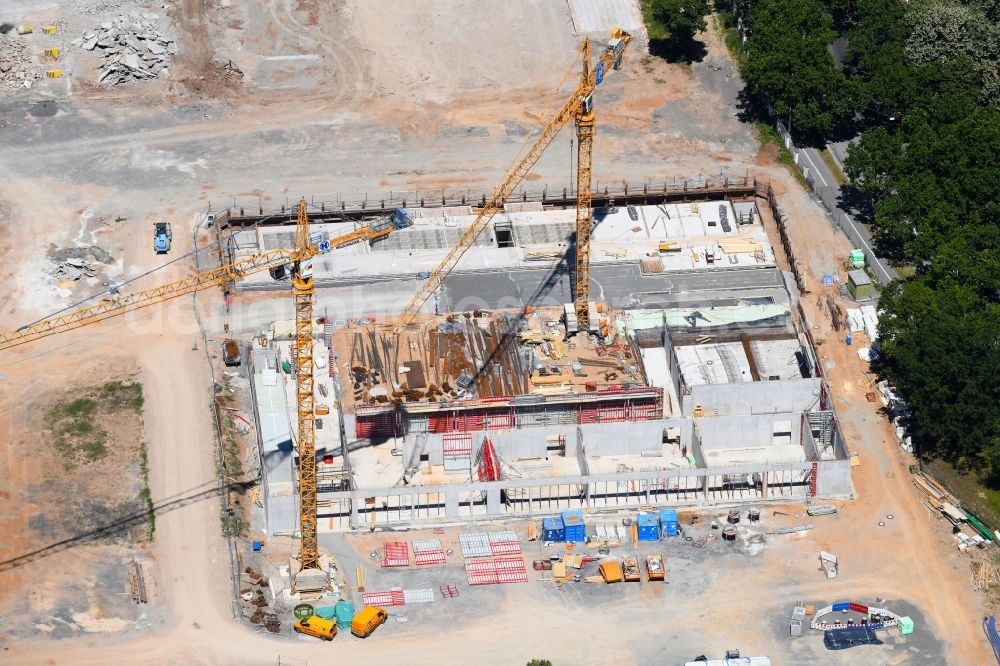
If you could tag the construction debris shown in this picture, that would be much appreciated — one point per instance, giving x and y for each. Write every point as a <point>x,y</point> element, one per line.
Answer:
<point>73,268</point>
<point>133,46</point>
<point>792,529</point>
<point>137,583</point>
<point>821,510</point>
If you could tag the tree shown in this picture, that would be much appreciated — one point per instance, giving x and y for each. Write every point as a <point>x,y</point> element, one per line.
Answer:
<point>944,31</point>
<point>672,26</point>
<point>788,67</point>
<point>539,662</point>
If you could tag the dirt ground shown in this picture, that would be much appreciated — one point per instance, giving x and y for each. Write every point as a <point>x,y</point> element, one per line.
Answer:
<point>338,99</point>
<point>76,506</point>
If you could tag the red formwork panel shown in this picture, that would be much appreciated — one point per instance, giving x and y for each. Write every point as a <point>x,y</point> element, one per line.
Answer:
<point>457,444</point>
<point>377,598</point>
<point>429,557</point>
<point>643,411</point>
<point>506,548</point>
<point>364,427</point>
<point>500,419</point>
<point>481,572</point>
<point>511,570</point>
<point>376,425</point>
<point>397,554</point>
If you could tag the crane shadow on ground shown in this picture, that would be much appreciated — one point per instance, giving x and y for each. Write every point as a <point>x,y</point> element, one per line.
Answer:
<point>564,267</point>
<point>197,494</point>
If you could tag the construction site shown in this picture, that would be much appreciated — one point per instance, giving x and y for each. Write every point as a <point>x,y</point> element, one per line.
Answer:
<point>707,395</point>
<point>459,391</point>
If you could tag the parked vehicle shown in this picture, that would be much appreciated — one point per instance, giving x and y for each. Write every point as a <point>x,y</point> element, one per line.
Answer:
<point>314,625</point>
<point>162,235</point>
<point>367,621</point>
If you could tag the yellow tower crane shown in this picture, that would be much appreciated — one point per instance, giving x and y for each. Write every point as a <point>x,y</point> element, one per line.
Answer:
<point>300,258</point>
<point>578,107</point>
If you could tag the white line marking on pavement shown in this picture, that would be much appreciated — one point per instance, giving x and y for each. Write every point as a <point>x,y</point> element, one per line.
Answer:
<point>818,173</point>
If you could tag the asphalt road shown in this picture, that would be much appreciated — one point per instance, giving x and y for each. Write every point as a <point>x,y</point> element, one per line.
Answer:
<point>824,178</point>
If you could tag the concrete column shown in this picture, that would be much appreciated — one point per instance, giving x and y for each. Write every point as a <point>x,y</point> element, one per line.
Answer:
<point>451,503</point>
<point>493,501</point>
<point>355,514</point>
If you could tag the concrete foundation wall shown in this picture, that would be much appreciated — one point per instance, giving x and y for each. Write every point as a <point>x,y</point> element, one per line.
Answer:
<point>789,395</point>
<point>483,501</point>
<point>834,479</point>
<point>752,431</point>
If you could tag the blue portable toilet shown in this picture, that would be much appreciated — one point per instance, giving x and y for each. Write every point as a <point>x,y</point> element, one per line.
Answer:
<point>553,529</point>
<point>668,522</point>
<point>573,522</point>
<point>344,612</point>
<point>648,528</point>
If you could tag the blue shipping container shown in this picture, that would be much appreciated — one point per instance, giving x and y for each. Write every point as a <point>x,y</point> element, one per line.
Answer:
<point>647,527</point>
<point>553,529</point>
<point>842,606</point>
<point>668,522</point>
<point>575,527</point>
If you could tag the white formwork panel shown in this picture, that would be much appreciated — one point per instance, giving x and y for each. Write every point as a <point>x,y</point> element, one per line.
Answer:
<point>426,545</point>
<point>419,596</point>
<point>475,544</point>
<point>505,536</point>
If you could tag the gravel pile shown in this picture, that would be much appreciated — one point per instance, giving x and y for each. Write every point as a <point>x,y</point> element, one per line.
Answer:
<point>16,68</point>
<point>133,47</point>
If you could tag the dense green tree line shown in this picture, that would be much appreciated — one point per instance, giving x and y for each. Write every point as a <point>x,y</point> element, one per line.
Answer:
<point>921,81</point>
<point>928,180</point>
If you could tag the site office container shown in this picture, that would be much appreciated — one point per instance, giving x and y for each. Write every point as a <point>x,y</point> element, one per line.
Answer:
<point>648,527</point>
<point>669,525</point>
<point>553,529</point>
<point>574,524</point>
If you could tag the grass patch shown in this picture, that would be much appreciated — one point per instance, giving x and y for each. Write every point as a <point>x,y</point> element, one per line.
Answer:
<point>76,432</point>
<point>768,134</point>
<point>730,35</point>
<point>834,168</point>
<point>144,494</point>
<point>232,523</point>
<point>122,395</point>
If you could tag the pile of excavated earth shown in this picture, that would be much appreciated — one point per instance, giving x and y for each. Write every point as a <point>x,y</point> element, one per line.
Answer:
<point>133,47</point>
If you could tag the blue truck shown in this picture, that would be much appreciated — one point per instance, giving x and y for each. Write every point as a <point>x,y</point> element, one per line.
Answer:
<point>162,237</point>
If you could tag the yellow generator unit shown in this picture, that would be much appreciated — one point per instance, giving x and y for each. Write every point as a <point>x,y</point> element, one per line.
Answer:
<point>49,29</point>
<point>52,53</point>
<point>54,74</point>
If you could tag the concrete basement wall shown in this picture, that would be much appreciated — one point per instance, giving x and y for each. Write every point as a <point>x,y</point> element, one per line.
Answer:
<point>788,395</point>
<point>734,432</point>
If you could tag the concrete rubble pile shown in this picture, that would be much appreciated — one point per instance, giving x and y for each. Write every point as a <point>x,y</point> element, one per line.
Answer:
<point>73,269</point>
<point>133,46</point>
<point>16,68</point>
